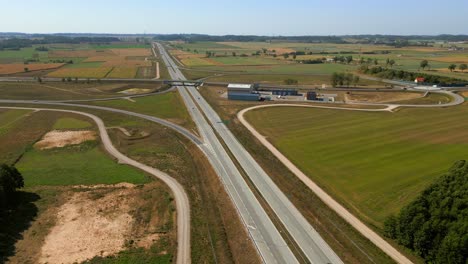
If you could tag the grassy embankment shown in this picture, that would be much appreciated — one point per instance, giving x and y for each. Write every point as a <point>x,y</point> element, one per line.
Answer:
<point>168,106</point>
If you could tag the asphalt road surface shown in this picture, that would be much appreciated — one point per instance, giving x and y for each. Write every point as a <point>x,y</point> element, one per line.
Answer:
<point>180,197</point>
<point>266,237</point>
<point>311,243</point>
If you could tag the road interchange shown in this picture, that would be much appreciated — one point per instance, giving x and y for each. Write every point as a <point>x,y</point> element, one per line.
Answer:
<point>272,253</point>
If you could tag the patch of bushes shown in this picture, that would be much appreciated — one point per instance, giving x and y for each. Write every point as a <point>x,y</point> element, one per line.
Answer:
<point>10,180</point>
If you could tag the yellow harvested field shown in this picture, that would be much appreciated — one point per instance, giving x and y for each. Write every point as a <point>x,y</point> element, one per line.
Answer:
<point>111,61</point>
<point>123,72</point>
<point>100,72</point>
<point>196,62</point>
<point>281,50</point>
<point>452,59</point>
<point>190,55</point>
<point>79,53</point>
<point>131,52</point>
<point>178,52</point>
<point>127,63</point>
<point>19,67</point>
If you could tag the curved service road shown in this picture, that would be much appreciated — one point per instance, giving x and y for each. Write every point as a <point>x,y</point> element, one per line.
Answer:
<point>327,199</point>
<point>180,196</point>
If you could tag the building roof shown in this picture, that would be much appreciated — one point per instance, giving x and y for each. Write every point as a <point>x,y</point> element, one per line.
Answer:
<point>420,79</point>
<point>239,86</point>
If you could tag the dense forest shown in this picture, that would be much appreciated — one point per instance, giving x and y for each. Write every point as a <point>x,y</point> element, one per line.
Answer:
<point>435,225</point>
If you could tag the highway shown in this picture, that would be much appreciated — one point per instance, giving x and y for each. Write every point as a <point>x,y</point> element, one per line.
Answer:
<point>312,245</point>
<point>268,240</point>
<point>180,196</point>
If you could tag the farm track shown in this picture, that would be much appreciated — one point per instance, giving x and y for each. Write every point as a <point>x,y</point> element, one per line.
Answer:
<point>180,196</point>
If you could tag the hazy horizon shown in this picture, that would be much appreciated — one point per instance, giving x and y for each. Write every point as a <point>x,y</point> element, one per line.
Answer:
<point>268,18</point>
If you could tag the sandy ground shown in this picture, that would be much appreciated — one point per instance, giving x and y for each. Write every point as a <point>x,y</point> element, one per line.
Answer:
<point>58,139</point>
<point>95,222</point>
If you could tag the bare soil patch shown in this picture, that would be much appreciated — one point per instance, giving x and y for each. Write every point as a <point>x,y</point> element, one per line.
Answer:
<point>136,91</point>
<point>58,139</point>
<point>78,223</point>
<point>96,221</point>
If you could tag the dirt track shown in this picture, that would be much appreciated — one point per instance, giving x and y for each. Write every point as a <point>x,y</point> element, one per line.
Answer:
<point>327,199</point>
<point>181,198</point>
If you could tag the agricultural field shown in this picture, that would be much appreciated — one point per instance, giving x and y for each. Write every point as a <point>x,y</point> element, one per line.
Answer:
<point>17,67</point>
<point>98,73</point>
<point>123,72</point>
<point>70,90</point>
<point>373,163</point>
<point>267,58</point>
<point>168,106</point>
<point>118,60</point>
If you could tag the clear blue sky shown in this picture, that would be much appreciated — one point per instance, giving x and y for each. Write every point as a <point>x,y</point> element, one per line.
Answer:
<point>259,17</point>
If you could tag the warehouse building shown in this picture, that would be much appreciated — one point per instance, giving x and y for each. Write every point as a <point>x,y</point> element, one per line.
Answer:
<point>240,88</point>
<point>243,92</point>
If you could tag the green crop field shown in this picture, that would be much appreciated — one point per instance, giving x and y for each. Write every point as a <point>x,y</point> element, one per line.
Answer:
<point>168,106</point>
<point>373,163</point>
<point>246,60</point>
<point>8,119</point>
<point>10,56</point>
<point>84,164</point>
<point>70,123</point>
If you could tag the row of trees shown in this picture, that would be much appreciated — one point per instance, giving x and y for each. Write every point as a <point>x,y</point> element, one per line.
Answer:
<point>10,180</point>
<point>340,79</point>
<point>435,225</point>
<point>462,67</point>
<point>386,73</point>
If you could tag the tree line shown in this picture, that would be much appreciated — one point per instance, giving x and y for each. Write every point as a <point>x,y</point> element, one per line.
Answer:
<point>462,67</point>
<point>435,224</point>
<point>387,73</point>
<point>340,79</point>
